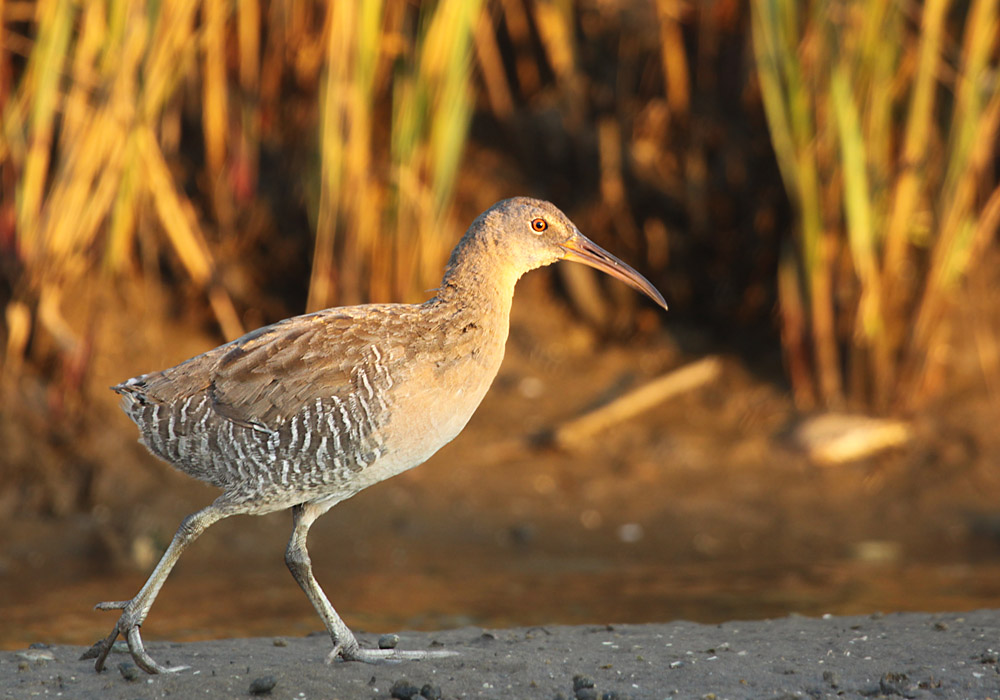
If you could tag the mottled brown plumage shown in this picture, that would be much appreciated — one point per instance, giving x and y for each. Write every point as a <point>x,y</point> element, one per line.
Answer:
<point>308,411</point>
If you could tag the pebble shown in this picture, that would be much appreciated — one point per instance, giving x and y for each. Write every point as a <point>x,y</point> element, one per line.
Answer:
<point>586,694</point>
<point>279,642</point>
<point>388,641</point>
<point>989,657</point>
<point>581,681</point>
<point>129,670</point>
<point>831,678</point>
<point>431,692</point>
<point>404,690</point>
<point>263,685</point>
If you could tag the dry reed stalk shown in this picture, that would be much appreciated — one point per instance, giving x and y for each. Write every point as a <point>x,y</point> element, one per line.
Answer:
<point>248,37</point>
<point>215,102</point>
<point>45,67</point>
<point>332,118</point>
<point>491,65</point>
<point>674,58</point>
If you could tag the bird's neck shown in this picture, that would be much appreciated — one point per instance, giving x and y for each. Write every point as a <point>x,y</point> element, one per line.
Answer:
<point>478,279</point>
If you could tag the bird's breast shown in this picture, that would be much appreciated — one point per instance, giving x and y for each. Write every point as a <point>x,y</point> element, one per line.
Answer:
<point>432,399</point>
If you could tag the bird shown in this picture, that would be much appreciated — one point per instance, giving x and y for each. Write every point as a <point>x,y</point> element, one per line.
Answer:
<point>306,412</point>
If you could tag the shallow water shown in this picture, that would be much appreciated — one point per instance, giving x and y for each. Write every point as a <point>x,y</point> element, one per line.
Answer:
<point>400,583</point>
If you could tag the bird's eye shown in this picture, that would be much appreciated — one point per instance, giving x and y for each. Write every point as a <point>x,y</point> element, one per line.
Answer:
<point>539,225</point>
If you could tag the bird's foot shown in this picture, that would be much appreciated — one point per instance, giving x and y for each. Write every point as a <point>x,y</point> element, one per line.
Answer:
<point>343,652</point>
<point>128,626</point>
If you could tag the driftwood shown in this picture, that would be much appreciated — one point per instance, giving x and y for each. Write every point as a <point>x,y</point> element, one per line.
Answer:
<point>691,376</point>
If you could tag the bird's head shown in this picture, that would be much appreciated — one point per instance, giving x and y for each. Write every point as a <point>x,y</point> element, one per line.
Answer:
<point>530,233</point>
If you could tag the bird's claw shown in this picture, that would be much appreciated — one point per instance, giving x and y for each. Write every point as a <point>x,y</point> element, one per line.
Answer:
<point>128,627</point>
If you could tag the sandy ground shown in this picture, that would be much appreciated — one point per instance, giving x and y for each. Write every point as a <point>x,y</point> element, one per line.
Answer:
<point>907,655</point>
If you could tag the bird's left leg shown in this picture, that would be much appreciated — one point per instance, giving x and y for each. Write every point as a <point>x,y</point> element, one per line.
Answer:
<point>134,611</point>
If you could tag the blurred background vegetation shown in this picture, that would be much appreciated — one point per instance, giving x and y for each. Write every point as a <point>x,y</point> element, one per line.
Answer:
<point>813,184</point>
<point>816,177</point>
<point>270,157</point>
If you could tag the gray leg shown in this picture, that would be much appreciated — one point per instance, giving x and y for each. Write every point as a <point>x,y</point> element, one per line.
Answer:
<point>345,645</point>
<point>134,611</point>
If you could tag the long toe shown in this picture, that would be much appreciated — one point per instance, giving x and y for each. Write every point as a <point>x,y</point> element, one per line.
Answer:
<point>142,659</point>
<point>373,656</point>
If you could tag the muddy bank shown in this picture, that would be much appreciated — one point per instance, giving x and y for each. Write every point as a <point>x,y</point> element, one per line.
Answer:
<point>947,655</point>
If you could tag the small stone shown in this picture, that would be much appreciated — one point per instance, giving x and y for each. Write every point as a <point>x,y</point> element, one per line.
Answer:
<point>279,642</point>
<point>831,678</point>
<point>581,681</point>
<point>941,626</point>
<point>431,692</point>
<point>38,645</point>
<point>404,690</point>
<point>586,694</point>
<point>989,657</point>
<point>129,671</point>
<point>388,641</point>
<point>263,685</point>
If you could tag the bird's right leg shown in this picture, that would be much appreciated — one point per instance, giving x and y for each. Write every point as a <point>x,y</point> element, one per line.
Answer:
<point>298,562</point>
<point>345,644</point>
<point>134,611</point>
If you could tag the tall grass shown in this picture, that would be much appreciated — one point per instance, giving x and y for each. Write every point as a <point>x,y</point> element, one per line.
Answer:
<point>83,135</point>
<point>132,133</point>
<point>93,140</point>
<point>884,125</point>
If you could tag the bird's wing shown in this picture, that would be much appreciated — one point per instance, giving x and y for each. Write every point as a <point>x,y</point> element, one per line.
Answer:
<point>268,376</point>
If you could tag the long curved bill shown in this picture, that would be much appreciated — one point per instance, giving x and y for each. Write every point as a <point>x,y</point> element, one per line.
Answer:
<point>582,249</point>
